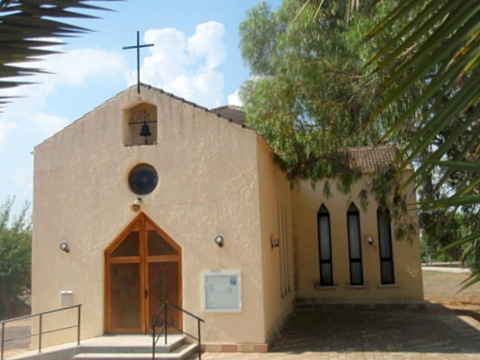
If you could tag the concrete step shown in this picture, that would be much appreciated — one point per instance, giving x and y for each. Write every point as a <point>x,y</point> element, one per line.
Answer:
<point>130,344</point>
<point>182,352</point>
<point>117,347</point>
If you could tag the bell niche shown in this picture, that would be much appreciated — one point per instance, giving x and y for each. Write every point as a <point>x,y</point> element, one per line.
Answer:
<point>140,125</point>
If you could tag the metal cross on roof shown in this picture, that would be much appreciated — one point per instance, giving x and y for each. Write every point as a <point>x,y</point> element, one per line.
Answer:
<point>138,46</point>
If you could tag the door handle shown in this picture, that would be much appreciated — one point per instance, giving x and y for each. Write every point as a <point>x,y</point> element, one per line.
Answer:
<point>146,294</point>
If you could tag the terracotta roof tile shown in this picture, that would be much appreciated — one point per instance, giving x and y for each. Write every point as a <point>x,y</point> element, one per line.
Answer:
<point>232,113</point>
<point>370,158</point>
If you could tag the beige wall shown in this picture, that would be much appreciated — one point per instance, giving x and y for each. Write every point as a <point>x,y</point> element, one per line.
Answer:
<point>207,176</point>
<point>407,269</point>
<point>215,178</point>
<point>276,226</point>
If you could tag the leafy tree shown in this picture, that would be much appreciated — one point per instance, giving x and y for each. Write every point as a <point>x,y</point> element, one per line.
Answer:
<point>15,257</point>
<point>439,43</point>
<point>24,27</point>
<point>441,228</point>
<point>315,89</point>
<point>309,96</point>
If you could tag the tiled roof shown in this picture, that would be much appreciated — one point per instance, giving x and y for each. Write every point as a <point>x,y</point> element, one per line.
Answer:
<point>370,158</point>
<point>365,158</point>
<point>232,113</point>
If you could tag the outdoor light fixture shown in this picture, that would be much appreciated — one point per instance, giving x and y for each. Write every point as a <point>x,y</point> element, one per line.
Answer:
<point>274,242</point>
<point>370,240</point>
<point>219,240</point>
<point>64,247</point>
<point>136,204</point>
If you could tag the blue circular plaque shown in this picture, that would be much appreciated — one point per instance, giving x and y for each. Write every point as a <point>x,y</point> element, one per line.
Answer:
<point>143,179</point>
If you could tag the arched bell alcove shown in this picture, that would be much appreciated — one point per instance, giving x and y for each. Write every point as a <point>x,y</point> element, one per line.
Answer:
<point>140,125</point>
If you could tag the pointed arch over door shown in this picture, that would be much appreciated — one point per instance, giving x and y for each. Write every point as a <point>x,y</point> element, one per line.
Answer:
<point>142,271</point>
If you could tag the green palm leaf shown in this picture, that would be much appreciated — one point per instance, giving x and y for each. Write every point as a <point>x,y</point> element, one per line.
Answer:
<point>439,47</point>
<point>22,25</point>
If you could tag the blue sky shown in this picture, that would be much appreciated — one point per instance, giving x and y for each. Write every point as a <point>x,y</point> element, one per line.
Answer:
<point>195,55</point>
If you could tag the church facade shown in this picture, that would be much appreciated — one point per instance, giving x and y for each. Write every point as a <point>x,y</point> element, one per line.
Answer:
<point>150,198</point>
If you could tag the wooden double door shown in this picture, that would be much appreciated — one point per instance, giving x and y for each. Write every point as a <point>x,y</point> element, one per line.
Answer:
<point>142,271</point>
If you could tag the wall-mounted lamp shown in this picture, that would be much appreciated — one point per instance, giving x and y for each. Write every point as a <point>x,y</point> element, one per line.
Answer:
<point>136,204</point>
<point>274,242</point>
<point>64,247</point>
<point>219,240</point>
<point>370,240</point>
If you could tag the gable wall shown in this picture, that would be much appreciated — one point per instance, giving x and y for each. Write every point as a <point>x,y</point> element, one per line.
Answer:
<point>207,171</point>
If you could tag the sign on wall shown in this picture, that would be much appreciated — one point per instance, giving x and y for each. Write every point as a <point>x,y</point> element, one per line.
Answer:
<point>222,291</point>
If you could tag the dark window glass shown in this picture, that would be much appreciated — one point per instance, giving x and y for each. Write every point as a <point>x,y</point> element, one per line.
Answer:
<point>157,245</point>
<point>324,247</point>
<point>128,247</point>
<point>354,245</point>
<point>385,247</point>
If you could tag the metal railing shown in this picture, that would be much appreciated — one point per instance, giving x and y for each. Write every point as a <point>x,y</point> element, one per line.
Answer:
<point>40,327</point>
<point>164,329</point>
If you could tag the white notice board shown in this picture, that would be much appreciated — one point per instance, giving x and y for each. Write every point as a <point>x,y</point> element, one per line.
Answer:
<point>222,291</point>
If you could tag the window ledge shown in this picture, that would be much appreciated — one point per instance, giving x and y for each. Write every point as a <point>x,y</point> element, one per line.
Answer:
<point>388,286</point>
<point>149,144</point>
<point>325,287</point>
<point>356,287</point>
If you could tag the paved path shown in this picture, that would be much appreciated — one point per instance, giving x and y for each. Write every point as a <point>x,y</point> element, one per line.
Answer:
<point>345,334</point>
<point>16,330</point>
<point>338,334</point>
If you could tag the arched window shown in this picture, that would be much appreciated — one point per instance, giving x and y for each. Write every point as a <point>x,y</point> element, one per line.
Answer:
<point>324,247</point>
<point>354,245</point>
<point>385,247</point>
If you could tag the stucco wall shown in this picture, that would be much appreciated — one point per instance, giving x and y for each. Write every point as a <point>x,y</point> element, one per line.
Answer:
<point>276,227</point>
<point>208,186</point>
<point>406,255</point>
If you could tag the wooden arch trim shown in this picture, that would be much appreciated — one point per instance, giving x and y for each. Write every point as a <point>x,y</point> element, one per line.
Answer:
<point>135,225</point>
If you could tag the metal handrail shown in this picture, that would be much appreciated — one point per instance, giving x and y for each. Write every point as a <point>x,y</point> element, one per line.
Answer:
<point>164,328</point>
<point>40,329</point>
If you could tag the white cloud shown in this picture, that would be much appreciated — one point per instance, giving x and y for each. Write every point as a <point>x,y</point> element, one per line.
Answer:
<point>77,66</point>
<point>28,114</point>
<point>73,67</point>
<point>168,59</point>
<point>186,66</point>
<point>234,99</point>
<point>207,43</point>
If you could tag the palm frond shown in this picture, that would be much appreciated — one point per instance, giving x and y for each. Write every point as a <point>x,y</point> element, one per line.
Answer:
<point>23,24</point>
<point>446,56</point>
<point>439,46</point>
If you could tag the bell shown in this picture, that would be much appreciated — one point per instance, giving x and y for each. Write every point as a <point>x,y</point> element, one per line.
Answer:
<point>145,131</point>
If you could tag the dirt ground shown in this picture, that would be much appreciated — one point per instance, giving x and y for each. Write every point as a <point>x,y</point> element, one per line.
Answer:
<point>443,287</point>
